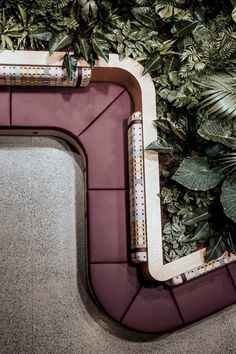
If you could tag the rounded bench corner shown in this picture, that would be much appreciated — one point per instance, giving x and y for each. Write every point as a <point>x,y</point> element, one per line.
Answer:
<point>113,287</point>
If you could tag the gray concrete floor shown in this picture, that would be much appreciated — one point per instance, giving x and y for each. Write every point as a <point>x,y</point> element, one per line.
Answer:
<point>44,306</point>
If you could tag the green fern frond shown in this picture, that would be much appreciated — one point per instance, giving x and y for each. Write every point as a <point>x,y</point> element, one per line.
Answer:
<point>211,49</point>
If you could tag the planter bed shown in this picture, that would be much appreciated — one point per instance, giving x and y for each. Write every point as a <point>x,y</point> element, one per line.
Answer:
<point>94,120</point>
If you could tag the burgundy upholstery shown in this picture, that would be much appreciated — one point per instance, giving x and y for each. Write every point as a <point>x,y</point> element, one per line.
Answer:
<point>98,116</point>
<point>71,109</point>
<point>108,226</point>
<point>4,106</point>
<point>205,295</point>
<point>232,271</point>
<point>114,285</point>
<point>106,145</point>
<point>153,310</point>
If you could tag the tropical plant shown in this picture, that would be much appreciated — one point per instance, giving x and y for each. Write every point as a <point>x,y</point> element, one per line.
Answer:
<point>188,226</point>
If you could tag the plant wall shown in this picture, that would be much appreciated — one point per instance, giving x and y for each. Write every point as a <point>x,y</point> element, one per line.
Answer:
<point>189,47</point>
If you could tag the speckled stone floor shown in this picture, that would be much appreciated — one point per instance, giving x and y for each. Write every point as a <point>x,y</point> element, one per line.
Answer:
<point>44,306</point>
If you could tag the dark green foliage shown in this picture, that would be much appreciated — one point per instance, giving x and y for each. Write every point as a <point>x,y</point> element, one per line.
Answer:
<point>188,225</point>
<point>101,47</point>
<point>195,173</point>
<point>228,197</point>
<point>145,15</point>
<point>61,40</point>
<point>70,63</point>
<point>89,27</point>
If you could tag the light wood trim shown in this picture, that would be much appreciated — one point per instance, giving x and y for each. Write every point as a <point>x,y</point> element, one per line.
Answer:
<point>32,57</point>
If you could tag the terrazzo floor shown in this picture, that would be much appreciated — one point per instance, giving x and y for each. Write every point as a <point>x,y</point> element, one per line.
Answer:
<point>44,306</point>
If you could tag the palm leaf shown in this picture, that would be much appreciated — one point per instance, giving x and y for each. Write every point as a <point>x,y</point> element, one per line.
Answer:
<point>220,96</point>
<point>227,163</point>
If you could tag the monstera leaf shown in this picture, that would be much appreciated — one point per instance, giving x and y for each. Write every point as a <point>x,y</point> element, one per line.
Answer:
<point>228,198</point>
<point>196,174</point>
<point>219,132</point>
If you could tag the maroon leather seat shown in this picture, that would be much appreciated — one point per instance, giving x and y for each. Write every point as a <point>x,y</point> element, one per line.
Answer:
<point>70,109</point>
<point>108,229</point>
<point>205,295</point>
<point>153,310</point>
<point>97,116</point>
<point>5,106</point>
<point>115,286</point>
<point>232,271</point>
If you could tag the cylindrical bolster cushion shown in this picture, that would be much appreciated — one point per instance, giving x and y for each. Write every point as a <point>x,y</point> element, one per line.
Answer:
<point>38,75</point>
<point>203,269</point>
<point>136,189</point>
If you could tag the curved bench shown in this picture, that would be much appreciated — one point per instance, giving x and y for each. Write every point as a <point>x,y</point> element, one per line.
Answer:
<point>100,128</point>
<point>96,118</point>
